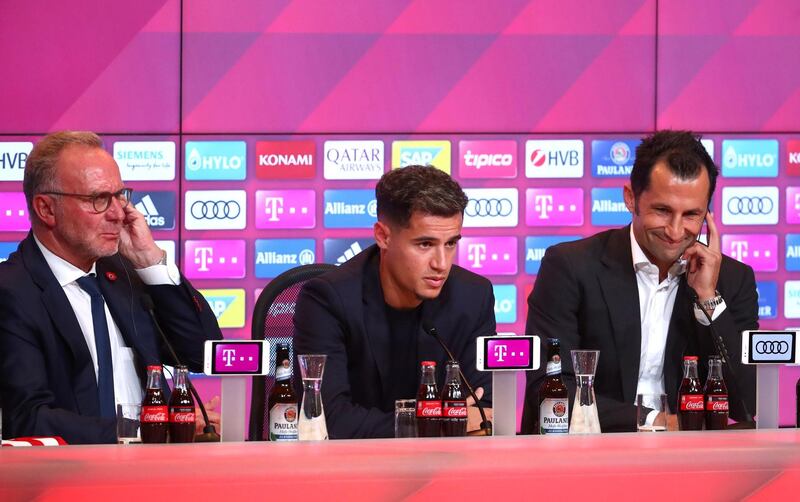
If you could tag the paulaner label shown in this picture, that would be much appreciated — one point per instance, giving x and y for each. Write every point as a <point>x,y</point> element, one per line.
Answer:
<point>554,416</point>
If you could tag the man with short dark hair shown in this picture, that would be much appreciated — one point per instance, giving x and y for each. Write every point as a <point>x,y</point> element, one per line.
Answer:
<point>367,315</point>
<point>643,294</point>
<point>75,337</point>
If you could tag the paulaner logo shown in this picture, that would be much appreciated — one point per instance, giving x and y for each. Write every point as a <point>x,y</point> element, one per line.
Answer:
<point>354,160</point>
<point>216,160</point>
<point>613,158</point>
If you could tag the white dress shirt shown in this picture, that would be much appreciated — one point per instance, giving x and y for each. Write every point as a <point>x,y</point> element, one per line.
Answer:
<point>127,388</point>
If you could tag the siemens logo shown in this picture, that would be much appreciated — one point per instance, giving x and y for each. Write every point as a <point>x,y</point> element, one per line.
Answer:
<point>216,160</point>
<point>275,256</point>
<point>791,299</point>
<point>535,248</point>
<point>350,209</point>
<point>608,207</point>
<point>757,158</point>
<point>613,158</point>
<point>145,160</point>
<point>13,156</point>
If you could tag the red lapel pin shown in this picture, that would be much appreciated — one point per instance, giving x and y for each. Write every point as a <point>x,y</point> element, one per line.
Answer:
<point>111,276</point>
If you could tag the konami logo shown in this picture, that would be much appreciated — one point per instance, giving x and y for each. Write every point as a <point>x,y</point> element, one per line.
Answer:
<point>285,159</point>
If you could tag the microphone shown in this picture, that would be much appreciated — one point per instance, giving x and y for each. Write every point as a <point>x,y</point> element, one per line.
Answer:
<point>486,425</point>
<point>722,351</point>
<point>209,434</point>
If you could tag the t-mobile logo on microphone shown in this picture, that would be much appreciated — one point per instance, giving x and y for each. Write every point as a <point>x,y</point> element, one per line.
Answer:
<point>285,209</point>
<point>488,255</point>
<point>554,207</point>
<point>215,259</point>
<point>760,251</point>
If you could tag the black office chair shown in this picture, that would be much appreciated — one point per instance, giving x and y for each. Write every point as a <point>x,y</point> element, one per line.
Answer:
<point>272,320</point>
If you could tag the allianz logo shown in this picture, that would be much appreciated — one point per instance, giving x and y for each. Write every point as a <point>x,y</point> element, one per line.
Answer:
<point>304,257</point>
<point>608,206</point>
<point>793,251</point>
<point>535,254</point>
<point>197,162</point>
<point>344,208</point>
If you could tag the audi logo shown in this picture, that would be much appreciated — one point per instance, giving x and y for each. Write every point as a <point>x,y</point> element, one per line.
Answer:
<point>215,210</point>
<point>750,205</point>
<point>774,347</point>
<point>489,207</point>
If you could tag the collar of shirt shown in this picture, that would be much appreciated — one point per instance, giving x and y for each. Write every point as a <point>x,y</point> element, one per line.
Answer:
<point>642,263</point>
<point>64,271</point>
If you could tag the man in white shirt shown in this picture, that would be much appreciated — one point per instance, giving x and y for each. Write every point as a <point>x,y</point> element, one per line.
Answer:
<point>643,294</point>
<point>75,336</point>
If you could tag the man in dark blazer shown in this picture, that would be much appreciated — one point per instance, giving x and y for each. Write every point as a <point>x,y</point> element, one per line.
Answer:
<point>608,291</point>
<point>51,360</point>
<point>368,315</point>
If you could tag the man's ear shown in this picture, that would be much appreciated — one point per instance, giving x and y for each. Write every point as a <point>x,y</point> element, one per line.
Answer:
<point>44,209</point>
<point>630,198</point>
<point>382,234</point>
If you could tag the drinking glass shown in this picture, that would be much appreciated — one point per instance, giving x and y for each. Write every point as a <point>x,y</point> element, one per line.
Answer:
<point>128,430</point>
<point>645,403</point>
<point>405,418</point>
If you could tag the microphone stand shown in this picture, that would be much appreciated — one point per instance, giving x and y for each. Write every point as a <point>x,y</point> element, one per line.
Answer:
<point>209,434</point>
<point>486,425</point>
<point>722,351</point>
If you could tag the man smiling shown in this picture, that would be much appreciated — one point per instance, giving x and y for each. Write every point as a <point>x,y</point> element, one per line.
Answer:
<point>367,315</point>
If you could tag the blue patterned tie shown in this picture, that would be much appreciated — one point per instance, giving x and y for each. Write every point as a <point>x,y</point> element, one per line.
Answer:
<point>105,377</point>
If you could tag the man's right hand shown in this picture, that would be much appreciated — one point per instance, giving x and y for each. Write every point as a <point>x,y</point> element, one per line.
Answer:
<point>671,421</point>
<point>474,414</point>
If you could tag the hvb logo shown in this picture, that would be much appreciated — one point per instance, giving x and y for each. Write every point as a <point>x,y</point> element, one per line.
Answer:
<point>214,259</point>
<point>767,299</point>
<point>434,153</point>
<point>145,160</point>
<point>488,255</point>
<point>350,208</point>
<point>275,256</point>
<point>750,205</point>
<point>608,207</point>
<point>793,157</point>
<point>756,158</point>
<point>216,209</point>
<point>536,246</point>
<point>354,160</point>
<point>760,251</point>
<point>554,207</point>
<point>560,158</point>
<point>491,207</point>
<point>793,205</point>
<point>158,208</point>
<point>13,212</point>
<point>13,155</point>
<point>285,159</point>
<point>505,303</point>
<point>488,159</point>
<point>228,306</point>
<point>285,209</point>
<point>613,158</point>
<point>216,160</point>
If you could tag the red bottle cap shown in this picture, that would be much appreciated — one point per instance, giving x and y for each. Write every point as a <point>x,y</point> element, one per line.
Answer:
<point>429,363</point>
<point>690,358</point>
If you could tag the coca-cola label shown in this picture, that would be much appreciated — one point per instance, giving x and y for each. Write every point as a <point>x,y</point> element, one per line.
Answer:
<point>717,402</point>
<point>429,409</point>
<point>181,415</point>
<point>283,422</point>
<point>154,414</point>
<point>454,409</point>
<point>554,416</point>
<point>691,402</point>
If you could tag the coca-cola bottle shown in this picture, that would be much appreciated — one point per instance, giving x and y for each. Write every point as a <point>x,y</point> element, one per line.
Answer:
<point>797,404</point>
<point>690,397</point>
<point>454,404</point>
<point>154,419</point>
<point>716,396</point>
<point>283,404</point>
<point>553,395</point>
<point>181,409</point>
<point>429,403</point>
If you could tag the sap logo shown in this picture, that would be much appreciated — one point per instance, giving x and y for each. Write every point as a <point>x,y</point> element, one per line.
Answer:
<point>554,158</point>
<point>488,159</point>
<point>145,160</point>
<point>767,299</point>
<point>228,306</point>
<point>608,207</point>
<point>13,156</point>
<point>158,208</point>
<point>216,160</point>
<point>275,256</point>
<point>353,160</point>
<point>750,158</point>
<point>505,303</point>
<point>613,158</point>
<point>349,208</point>
<point>434,153</point>
<point>536,246</point>
<point>750,205</point>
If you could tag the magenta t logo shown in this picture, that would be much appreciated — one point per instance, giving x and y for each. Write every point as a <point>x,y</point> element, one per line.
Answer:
<point>218,259</point>
<point>760,251</point>
<point>488,159</point>
<point>285,209</point>
<point>793,205</point>
<point>546,207</point>
<point>13,212</point>
<point>488,255</point>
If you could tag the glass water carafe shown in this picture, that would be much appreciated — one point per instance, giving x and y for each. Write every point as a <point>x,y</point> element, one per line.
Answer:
<point>312,417</point>
<point>584,410</point>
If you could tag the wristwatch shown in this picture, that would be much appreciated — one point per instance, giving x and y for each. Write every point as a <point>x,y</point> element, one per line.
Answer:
<point>712,303</point>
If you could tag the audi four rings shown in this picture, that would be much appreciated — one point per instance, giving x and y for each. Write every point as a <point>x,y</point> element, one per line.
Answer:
<point>750,205</point>
<point>215,209</point>
<point>489,207</point>
<point>772,347</point>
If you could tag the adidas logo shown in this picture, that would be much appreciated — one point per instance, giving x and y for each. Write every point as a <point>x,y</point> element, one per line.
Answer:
<point>350,252</point>
<point>148,209</point>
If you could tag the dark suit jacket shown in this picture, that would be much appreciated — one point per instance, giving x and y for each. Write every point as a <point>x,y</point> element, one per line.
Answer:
<point>47,379</point>
<point>586,295</point>
<point>343,314</point>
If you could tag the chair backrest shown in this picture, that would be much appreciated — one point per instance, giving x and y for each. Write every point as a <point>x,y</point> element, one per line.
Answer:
<point>273,320</point>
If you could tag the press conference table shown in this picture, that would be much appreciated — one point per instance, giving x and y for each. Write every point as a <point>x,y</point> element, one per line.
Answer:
<point>727,465</point>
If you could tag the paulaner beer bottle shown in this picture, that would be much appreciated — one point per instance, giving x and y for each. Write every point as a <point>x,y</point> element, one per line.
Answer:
<point>716,396</point>
<point>429,403</point>
<point>181,409</point>
<point>154,419</point>
<point>797,404</point>
<point>553,395</point>
<point>282,399</point>
<point>690,397</point>
<point>454,404</point>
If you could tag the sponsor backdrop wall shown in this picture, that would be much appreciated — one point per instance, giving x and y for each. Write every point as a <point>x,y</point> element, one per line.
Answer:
<point>253,132</point>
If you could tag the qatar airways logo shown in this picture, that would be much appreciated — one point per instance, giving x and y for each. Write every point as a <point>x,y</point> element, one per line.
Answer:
<point>760,251</point>
<point>554,207</point>
<point>488,159</point>
<point>214,259</point>
<point>285,209</point>
<point>488,255</point>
